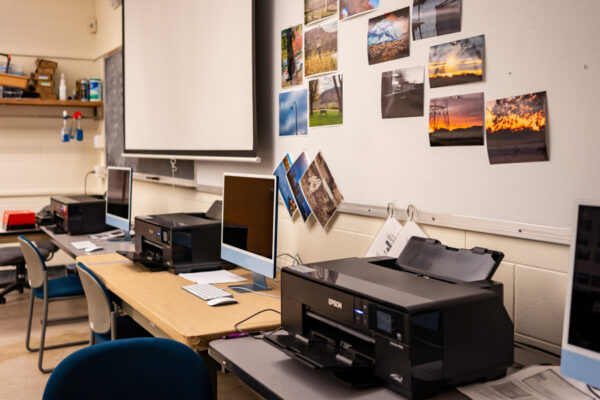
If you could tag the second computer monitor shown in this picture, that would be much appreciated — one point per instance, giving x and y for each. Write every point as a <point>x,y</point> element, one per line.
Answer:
<point>118,198</point>
<point>249,229</point>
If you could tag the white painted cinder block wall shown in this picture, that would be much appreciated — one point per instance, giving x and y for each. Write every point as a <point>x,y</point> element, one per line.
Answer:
<point>533,273</point>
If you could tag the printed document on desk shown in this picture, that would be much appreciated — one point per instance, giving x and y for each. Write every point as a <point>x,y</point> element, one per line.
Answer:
<point>538,382</point>
<point>218,276</point>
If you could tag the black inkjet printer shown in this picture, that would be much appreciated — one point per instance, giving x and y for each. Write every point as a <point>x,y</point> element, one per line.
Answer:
<point>430,319</point>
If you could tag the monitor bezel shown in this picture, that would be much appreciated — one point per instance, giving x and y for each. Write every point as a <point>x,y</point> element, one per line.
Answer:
<point>570,276</point>
<point>255,256</point>
<point>112,219</point>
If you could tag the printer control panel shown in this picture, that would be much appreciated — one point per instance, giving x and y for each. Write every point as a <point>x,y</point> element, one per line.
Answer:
<point>375,317</point>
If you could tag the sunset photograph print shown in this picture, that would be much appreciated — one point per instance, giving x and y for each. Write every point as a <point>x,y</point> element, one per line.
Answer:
<point>456,120</point>
<point>457,62</point>
<point>516,129</point>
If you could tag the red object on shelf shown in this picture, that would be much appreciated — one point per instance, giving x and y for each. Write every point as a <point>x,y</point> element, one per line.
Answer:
<point>18,219</point>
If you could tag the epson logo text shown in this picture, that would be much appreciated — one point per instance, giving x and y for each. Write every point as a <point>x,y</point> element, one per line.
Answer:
<point>335,303</point>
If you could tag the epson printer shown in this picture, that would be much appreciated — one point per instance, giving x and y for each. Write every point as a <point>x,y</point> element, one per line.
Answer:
<point>78,215</point>
<point>431,318</point>
<point>180,242</point>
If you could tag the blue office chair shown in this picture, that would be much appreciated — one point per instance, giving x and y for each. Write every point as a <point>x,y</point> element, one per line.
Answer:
<point>144,368</point>
<point>48,290</point>
<point>105,322</point>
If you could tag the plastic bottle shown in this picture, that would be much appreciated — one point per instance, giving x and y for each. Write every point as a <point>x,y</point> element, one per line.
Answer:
<point>65,132</point>
<point>62,89</point>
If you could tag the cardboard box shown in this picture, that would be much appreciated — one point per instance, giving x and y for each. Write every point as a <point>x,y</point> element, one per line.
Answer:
<point>45,71</point>
<point>41,77</point>
<point>44,84</point>
<point>41,63</point>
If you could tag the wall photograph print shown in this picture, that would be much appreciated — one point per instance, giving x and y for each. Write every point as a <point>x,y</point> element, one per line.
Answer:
<point>457,62</point>
<point>350,8</point>
<point>316,10</point>
<point>321,48</point>
<point>388,37</point>
<point>516,129</point>
<point>296,171</point>
<point>293,113</point>
<point>456,120</point>
<point>402,93</point>
<point>292,57</point>
<point>325,101</point>
<point>284,187</point>
<point>435,18</point>
<point>320,190</point>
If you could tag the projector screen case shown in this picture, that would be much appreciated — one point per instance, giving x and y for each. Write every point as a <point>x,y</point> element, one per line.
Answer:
<point>189,91</point>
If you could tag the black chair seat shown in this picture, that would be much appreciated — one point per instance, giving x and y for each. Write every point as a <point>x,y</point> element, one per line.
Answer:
<point>14,256</point>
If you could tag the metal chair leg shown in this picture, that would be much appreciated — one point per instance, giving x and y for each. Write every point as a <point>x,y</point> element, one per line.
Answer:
<point>29,325</point>
<point>43,339</point>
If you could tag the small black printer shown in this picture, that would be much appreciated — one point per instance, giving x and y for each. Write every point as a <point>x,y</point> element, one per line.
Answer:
<point>429,319</point>
<point>181,242</point>
<point>78,215</point>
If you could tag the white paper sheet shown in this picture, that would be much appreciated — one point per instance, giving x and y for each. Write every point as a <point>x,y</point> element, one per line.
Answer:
<point>409,230</point>
<point>382,244</point>
<point>538,382</point>
<point>218,276</point>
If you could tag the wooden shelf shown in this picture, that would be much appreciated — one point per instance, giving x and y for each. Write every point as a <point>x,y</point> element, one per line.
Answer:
<point>38,108</point>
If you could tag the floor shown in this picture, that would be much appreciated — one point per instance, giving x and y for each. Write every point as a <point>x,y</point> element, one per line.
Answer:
<point>19,376</point>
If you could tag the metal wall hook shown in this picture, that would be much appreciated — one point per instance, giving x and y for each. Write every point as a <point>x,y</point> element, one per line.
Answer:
<point>391,207</point>
<point>410,211</point>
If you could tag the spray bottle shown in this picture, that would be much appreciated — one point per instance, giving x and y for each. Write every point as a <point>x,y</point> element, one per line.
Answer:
<point>65,132</point>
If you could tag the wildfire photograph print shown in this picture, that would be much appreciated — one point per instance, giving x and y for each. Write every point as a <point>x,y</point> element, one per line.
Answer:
<point>293,113</point>
<point>435,18</point>
<point>284,187</point>
<point>316,10</point>
<point>320,190</point>
<point>296,171</point>
<point>325,101</point>
<point>516,129</point>
<point>402,93</point>
<point>321,48</point>
<point>388,37</point>
<point>292,58</point>
<point>350,8</point>
<point>456,120</point>
<point>457,62</point>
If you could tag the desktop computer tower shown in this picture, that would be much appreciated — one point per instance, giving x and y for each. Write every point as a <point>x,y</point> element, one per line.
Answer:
<point>78,215</point>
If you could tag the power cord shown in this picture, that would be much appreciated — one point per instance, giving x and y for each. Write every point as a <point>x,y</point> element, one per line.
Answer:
<point>252,316</point>
<point>85,181</point>
<point>593,391</point>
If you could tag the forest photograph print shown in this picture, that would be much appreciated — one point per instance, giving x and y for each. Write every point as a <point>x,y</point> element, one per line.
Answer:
<point>325,101</point>
<point>321,49</point>
<point>350,8</point>
<point>292,58</point>
<point>316,10</point>
<point>402,93</point>
<point>388,37</point>
<point>457,62</point>
<point>456,120</point>
<point>435,18</point>
<point>516,129</point>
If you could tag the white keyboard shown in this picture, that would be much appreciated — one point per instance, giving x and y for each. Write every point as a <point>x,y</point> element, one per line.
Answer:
<point>206,291</point>
<point>83,244</point>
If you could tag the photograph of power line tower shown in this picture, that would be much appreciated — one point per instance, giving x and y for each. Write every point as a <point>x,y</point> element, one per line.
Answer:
<point>325,101</point>
<point>456,120</point>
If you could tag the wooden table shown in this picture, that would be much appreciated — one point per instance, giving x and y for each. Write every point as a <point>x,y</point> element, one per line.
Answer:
<point>156,301</point>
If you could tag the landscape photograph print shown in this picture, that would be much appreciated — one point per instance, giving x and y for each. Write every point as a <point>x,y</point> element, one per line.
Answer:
<point>456,120</point>
<point>350,8</point>
<point>457,62</point>
<point>321,48</point>
<point>320,190</point>
<point>296,171</point>
<point>325,101</point>
<point>293,118</point>
<point>435,18</point>
<point>284,187</point>
<point>316,10</point>
<point>516,129</point>
<point>292,57</point>
<point>402,93</point>
<point>388,37</point>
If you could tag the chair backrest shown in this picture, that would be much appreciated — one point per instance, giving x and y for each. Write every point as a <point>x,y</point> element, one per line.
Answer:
<point>98,300</point>
<point>36,267</point>
<point>143,368</point>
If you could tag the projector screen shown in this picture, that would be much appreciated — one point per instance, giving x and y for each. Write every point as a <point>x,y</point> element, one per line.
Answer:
<point>189,78</point>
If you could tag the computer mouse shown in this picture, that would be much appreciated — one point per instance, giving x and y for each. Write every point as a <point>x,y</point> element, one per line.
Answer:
<point>221,301</point>
<point>93,248</point>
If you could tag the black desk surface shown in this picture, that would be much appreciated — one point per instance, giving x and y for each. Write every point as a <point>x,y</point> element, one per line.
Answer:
<point>63,240</point>
<point>273,374</point>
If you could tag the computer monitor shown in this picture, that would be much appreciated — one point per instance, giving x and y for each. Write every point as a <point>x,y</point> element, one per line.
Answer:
<point>581,332</point>
<point>118,199</point>
<point>249,228</point>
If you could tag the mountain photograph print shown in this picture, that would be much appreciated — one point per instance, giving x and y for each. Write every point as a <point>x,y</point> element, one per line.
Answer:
<point>316,10</point>
<point>325,101</point>
<point>516,129</point>
<point>388,37</point>
<point>350,8</point>
<point>321,48</point>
